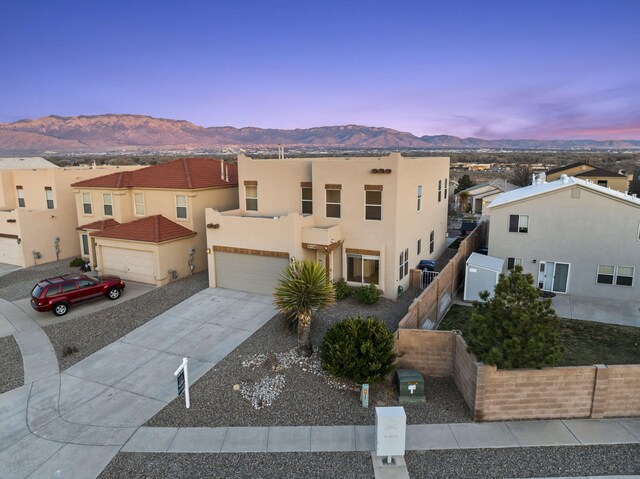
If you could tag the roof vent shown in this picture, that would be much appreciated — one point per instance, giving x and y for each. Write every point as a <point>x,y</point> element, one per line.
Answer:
<point>564,179</point>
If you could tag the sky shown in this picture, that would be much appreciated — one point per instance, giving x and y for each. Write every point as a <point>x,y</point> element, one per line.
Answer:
<point>560,69</point>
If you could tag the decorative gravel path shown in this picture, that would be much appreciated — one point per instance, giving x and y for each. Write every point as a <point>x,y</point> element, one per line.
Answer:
<point>11,369</point>
<point>93,332</point>
<point>18,284</point>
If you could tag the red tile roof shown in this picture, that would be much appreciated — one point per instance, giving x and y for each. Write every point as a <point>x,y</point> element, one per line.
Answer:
<point>184,174</point>
<point>153,229</point>
<point>98,225</point>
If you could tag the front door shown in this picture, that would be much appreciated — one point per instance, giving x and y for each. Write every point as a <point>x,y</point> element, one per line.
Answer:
<point>553,276</point>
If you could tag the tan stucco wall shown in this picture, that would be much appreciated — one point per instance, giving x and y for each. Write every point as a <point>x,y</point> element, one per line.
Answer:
<point>279,193</point>
<point>38,225</point>
<point>594,229</point>
<point>615,183</point>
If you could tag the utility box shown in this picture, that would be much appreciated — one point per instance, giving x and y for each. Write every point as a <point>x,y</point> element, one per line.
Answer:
<point>391,431</point>
<point>410,386</point>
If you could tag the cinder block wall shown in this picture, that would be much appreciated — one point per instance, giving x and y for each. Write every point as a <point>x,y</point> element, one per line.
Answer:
<point>623,391</point>
<point>430,352</point>
<point>465,371</point>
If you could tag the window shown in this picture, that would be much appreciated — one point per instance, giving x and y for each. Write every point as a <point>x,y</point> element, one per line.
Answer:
<point>419,248</point>
<point>307,199</point>
<point>66,287</point>
<point>439,190</point>
<point>638,231</point>
<point>48,193</point>
<point>446,187</point>
<point>362,269</point>
<point>333,198</point>
<point>251,195</point>
<point>107,201</point>
<point>52,291</point>
<point>20,193</point>
<point>404,263</point>
<point>419,197</point>
<point>512,262</point>
<point>602,183</point>
<point>85,283</point>
<point>618,275</point>
<point>85,245</point>
<point>138,203</point>
<point>432,241</point>
<point>518,223</point>
<point>86,204</point>
<point>181,206</point>
<point>373,203</point>
<point>575,193</point>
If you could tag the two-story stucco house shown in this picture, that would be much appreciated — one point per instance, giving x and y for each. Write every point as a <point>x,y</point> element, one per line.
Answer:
<point>148,225</point>
<point>592,174</point>
<point>572,235</point>
<point>37,209</point>
<point>368,220</point>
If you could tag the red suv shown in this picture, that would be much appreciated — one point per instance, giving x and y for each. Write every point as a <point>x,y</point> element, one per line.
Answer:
<point>58,294</point>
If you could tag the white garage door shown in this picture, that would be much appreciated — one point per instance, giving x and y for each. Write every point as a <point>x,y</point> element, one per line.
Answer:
<point>129,264</point>
<point>11,252</point>
<point>246,272</point>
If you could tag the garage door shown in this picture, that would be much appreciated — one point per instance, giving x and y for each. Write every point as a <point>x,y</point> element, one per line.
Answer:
<point>11,252</point>
<point>129,264</point>
<point>247,272</point>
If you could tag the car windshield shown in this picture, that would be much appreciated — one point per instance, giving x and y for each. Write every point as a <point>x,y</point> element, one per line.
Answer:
<point>36,291</point>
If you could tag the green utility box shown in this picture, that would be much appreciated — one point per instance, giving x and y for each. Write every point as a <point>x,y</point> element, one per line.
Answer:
<point>410,386</point>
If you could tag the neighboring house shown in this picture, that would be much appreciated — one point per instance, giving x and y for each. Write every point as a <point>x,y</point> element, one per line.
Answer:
<point>148,225</point>
<point>368,220</point>
<point>479,196</point>
<point>37,210</point>
<point>592,174</point>
<point>572,235</point>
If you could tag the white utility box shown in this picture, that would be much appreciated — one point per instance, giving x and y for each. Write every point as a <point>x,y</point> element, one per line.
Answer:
<point>391,431</point>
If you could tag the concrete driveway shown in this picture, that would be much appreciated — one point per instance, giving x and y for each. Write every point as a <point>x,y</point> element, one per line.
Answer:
<point>609,311</point>
<point>132,290</point>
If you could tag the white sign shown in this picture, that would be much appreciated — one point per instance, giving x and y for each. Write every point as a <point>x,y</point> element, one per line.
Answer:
<point>412,387</point>
<point>183,373</point>
<point>391,431</point>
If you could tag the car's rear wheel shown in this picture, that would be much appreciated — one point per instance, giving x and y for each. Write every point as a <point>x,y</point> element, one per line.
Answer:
<point>60,309</point>
<point>113,293</point>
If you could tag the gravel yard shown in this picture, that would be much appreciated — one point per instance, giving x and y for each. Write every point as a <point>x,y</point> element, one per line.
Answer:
<point>442,464</point>
<point>11,372</point>
<point>306,398</point>
<point>90,333</point>
<point>18,284</point>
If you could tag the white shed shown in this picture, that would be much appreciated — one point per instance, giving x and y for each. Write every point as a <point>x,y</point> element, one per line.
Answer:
<point>481,275</point>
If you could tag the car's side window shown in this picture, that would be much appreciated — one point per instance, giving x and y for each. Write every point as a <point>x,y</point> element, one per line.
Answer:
<point>52,291</point>
<point>68,287</point>
<point>85,283</point>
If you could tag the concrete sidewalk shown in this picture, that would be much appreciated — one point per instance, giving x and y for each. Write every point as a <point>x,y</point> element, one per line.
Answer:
<point>76,421</point>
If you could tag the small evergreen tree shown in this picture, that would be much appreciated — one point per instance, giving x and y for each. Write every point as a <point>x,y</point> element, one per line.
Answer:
<point>359,349</point>
<point>516,328</point>
<point>464,182</point>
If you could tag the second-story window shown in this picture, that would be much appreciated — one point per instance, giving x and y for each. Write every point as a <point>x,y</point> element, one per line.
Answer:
<point>138,200</point>
<point>20,193</point>
<point>333,200</point>
<point>251,195</point>
<point>373,202</point>
<point>86,204</point>
<point>307,198</point>
<point>48,193</point>
<point>181,206</point>
<point>419,197</point>
<point>439,190</point>
<point>107,201</point>
<point>404,263</point>
<point>446,187</point>
<point>518,223</point>
<point>419,248</point>
<point>432,241</point>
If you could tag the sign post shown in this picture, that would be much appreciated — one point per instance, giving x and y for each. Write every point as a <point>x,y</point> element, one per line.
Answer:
<point>182,374</point>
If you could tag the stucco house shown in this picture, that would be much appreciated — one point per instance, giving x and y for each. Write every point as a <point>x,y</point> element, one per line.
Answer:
<point>572,235</point>
<point>477,197</point>
<point>592,174</point>
<point>37,209</point>
<point>148,225</point>
<point>368,220</point>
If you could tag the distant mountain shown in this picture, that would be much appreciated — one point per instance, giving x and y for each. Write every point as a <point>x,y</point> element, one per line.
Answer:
<point>108,132</point>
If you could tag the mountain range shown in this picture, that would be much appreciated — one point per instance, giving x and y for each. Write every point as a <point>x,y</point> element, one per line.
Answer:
<point>101,133</point>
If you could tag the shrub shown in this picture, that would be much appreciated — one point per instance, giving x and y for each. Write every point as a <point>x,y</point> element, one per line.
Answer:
<point>342,290</point>
<point>76,262</point>
<point>360,350</point>
<point>368,294</point>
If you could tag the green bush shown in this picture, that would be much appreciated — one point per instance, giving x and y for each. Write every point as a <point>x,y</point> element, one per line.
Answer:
<point>342,290</point>
<point>76,262</point>
<point>360,350</point>
<point>368,294</point>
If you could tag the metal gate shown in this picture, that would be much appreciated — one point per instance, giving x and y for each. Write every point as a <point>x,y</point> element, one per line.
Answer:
<point>427,277</point>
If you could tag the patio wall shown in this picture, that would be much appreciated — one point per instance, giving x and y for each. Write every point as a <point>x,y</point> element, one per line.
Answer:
<point>569,392</point>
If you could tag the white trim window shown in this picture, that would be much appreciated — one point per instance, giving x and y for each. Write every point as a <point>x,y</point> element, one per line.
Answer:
<point>48,193</point>
<point>513,262</point>
<point>333,202</point>
<point>307,200</point>
<point>138,204</point>
<point>419,197</point>
<point>404,263</point>
<point>87,207</point>
<point>20,193</point>
<point>615,275</point>
<point>107,202</point>
<point>439,191</point>
<point>85,244</point>
<point>432,241</point>
<point>373,205</point>
<point>251,197</point>
<point>518,223</point>
<point>181,207</point>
